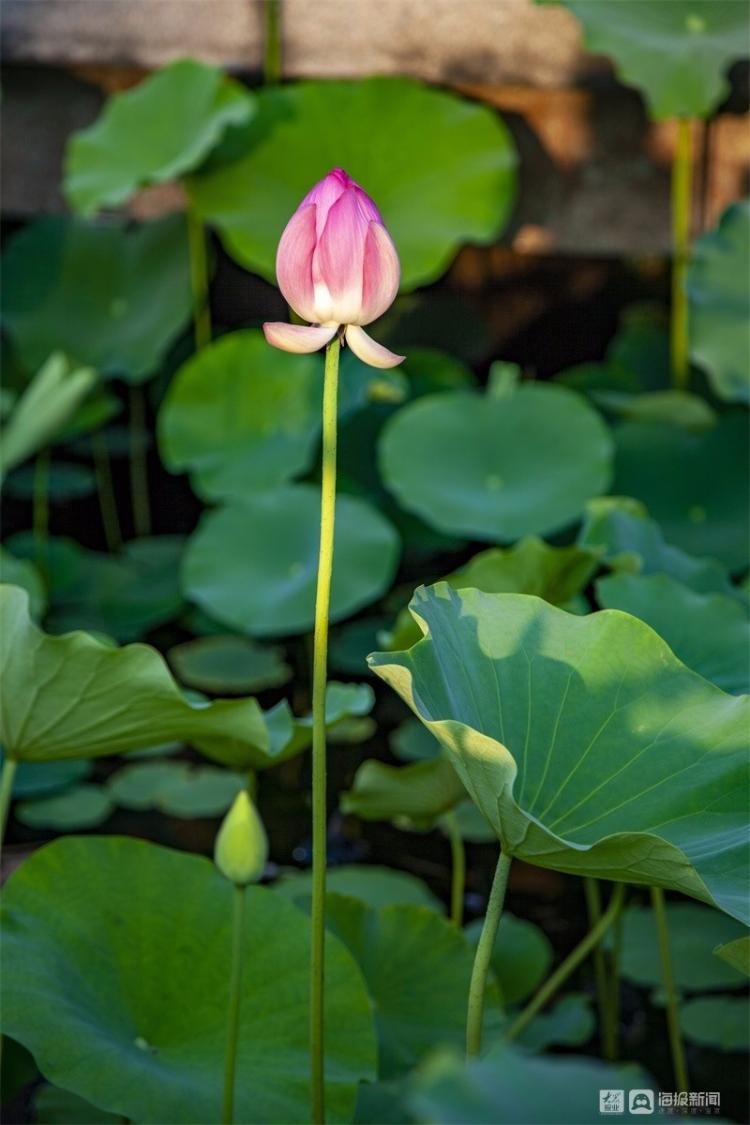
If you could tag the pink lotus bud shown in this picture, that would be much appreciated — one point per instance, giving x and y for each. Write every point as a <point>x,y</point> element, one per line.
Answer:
<point>337,267</point>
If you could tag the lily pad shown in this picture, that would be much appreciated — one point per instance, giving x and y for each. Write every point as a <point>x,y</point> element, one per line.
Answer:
<point>696,931</point>
<point>497,467</point>
<point>676,52</point>
<point>253,563</point>
<point>568,1023</point>
<point>417,794</point>
<point>156,132</point>
<point>374,886</point>
<point>521,957</point>
<point>109,295</point>
<point>456,165</point>
<point>350,644</point>
<point>718,285</point>
<point>737,954</point>
<point>140,786</point>
<point>81,806</point>
<point>73,697</point>
<point>43,779</point>
<point>693,483</point>
<point>240,415</point>
<point>91,926</point>
<point>229,664</point>
<point>708,632</point>
<point>66,481</point>
<point>572,735</point>
<point>722,1022</point>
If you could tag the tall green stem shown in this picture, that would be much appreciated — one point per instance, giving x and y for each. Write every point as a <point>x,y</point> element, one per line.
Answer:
<point>40,513</point>
<point>458,868</point>
<point>138,463</point>
<point>105,489</point>
<point>320,668</point>
<point>483,956</point>
<point>607,1014</point>
<point>233,1012</point>
<point>571,962</point>
<point>673,1007</point>
<point>6,791</point>
<point>682,191</point>
<point>199,279</point>
<point>272,45</point>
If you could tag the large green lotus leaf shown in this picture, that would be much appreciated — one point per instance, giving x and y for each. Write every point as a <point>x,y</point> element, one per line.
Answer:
<point>122,596</point>
<point>530,566</point>
<point>108,295</point>
<point>709,632</point>
<point>417,968</point>
<point>718,284</point>
<point>22,572</point>
<point>240,415</point>
<point>497,466</point>
<point>722,1022</point>
<point>696,930</point>
<point>676,52</point>
<point>74,697</point>
<point>455,165</point>
<point>694,484</point>
<point>53,1106</point>
<point>633,543</point>
<point>417,794</point>
<point>521,957</point>
<point>507,1086</point>
<point>228,664</point>
<point>156,132</point>
<point>375,886</point>
<point>120,957</point>
<point>253,563</point>
<point>584,741</point>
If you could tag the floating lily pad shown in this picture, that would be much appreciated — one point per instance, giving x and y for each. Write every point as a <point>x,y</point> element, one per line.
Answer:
<point>240,415</point>
<point>158,131</point>
<point>108,295</point>
<point>374,886</point>
<point>676,52</point>
<point>229,665</point>
<point>708,632</point>
<point>73,697</point>
<point>141,786</point>
<point>456,164</point>
<point>66,481</point>
<point>521,958</point>
<point>497,467</point>
<point>572,735</point>
<point>696,930</point>
<point>722,1022</point>
<point>676,408</point>
<point>568,1023</point>
<point>718,285</point>
<point>126,922</point>
<point>253,563</point>
<point>417,794</point>
<point>79,807</point>
<point>42,779</point>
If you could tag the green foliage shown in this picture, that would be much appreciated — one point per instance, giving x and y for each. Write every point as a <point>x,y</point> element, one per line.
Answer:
<point>722,1022</point>
<point>156,132</point>
<point>108,296</point>
<point>464,462</point>
<point>718,283</point>
<point>573,736</point>
<point>521,957</point>
<point>53,1106</point>
<point>128,945</point>
<point>66,480</point>
<point>79,807</point>
<point>455,161</point>
<point>695,931</point>
<point>676,52</point>
<point>374,886</point>
<point>228,664</point>
<point>43,779</point>
<point>737,954</point>
<point>252,563</point>
<point>175,788</point>
<point>22,572</point>
<point>417,794</point>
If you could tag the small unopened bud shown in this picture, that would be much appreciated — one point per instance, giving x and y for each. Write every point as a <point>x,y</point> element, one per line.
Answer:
<point>241,847</point>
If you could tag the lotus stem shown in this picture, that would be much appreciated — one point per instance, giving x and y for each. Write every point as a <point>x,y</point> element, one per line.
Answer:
<point>676,1045</point>
<point>139,463</point>
<point>571,962</point>
<point>272,46</point>
<point>458,868</point>
<point>483,956</point>
<point>106,492</point>
<point>7,778</point>
<point>233,1011</point>
<point>682,172</point>
<point>320,672</point>
<point>607,991</point>
<point>199,279</point>
<point>40,515</point>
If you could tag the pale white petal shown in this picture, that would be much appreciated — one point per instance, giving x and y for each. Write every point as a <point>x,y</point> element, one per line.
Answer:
<point>368,350</point>
<point>299,338</point>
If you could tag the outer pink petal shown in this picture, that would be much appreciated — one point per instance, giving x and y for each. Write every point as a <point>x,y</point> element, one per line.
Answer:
<point>294,262</point>
<point>298,337</point>
<point>341,252</point>
<point>325,193</point>
<point>382,274</point>
<point>368,350</point>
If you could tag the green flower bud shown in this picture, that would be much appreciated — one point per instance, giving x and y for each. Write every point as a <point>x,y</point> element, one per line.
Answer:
<point>241,847</point>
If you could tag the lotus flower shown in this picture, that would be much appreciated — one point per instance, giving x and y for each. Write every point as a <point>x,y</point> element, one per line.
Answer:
<point>338,268</point>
